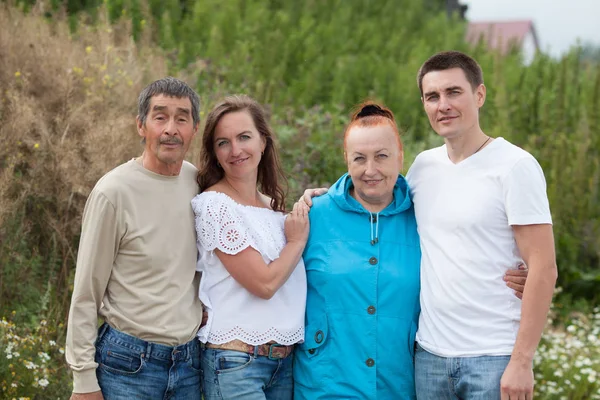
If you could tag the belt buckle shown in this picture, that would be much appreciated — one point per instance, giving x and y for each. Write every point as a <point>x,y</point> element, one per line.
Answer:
<point>271,346</point>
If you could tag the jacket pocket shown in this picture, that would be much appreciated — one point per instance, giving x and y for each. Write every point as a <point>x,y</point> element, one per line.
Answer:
<point>315,336</point>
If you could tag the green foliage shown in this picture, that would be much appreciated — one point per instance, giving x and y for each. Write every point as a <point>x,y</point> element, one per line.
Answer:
<point>31,361</point>
<point>64,121</point>
<point>567,363</point>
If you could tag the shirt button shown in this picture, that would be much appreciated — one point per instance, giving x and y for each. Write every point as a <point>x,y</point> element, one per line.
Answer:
<point>372,261</point>
<point>370,362</point>
<point>311,351</point>
<point>371,310</point>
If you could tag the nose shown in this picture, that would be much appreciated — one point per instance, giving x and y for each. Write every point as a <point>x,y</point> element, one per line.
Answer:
<point>171,127</point>
<point>371,169</point>
<point>235,148</point>
<point>444,104</point>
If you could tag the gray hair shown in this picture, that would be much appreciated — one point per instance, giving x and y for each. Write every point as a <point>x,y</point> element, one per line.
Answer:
<point>171,87</point>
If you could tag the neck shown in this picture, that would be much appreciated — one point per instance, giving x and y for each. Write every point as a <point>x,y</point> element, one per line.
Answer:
<point>372,207</point>
<point>244,191</point>
<point>463,146</point>
<point>172,169</point>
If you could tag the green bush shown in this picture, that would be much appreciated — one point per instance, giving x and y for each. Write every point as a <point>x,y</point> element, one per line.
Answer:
<point>31,362</point>
<point>567,363</point>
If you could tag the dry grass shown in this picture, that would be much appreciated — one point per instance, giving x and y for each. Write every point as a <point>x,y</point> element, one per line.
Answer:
<point>67,115</point>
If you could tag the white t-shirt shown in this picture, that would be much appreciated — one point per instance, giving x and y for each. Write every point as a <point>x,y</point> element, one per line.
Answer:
<point>464,215</point>
<point>234,312</point>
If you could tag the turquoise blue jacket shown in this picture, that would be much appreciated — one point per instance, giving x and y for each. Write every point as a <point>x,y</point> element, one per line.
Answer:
<point>363,299</point>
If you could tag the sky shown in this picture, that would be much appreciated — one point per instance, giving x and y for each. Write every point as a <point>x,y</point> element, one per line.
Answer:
<point>558,23</point>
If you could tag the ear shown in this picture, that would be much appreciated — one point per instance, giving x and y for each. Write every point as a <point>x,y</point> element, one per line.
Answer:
<point>195,129</point>
<point>140,127</point>
<point>480,93</point>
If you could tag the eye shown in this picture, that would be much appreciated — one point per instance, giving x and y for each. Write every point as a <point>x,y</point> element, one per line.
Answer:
<point>221,143</point>
<point>183,120</point>
<point>245,137</point>
<point>432,97</point>
<point>159,117</point>
<point>383,156</point>
<point>358,158</point>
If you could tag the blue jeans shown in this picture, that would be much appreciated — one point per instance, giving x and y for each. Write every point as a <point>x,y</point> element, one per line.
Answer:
<point>464,378</point>
<point>131,368</point>
<point>232,374</point>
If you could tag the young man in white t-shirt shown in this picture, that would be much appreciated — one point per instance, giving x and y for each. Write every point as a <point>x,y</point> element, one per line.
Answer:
<point>481,206</point>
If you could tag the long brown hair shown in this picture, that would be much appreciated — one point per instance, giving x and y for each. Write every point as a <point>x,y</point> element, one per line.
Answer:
<point>271,179</point>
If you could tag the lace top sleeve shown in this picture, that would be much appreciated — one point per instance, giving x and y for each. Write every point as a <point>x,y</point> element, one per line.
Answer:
<point>220,225</point>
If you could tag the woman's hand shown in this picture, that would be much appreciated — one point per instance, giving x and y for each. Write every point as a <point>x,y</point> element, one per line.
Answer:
<point>296,225</point>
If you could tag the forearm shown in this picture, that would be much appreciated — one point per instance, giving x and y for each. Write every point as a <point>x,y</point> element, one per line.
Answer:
<point>279,270</point>
<point>537,298</point>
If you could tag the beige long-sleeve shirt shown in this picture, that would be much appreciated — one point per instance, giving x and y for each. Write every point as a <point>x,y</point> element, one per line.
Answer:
<point>135,266</point>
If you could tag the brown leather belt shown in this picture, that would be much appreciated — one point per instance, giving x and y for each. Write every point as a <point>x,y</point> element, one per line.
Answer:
<point>272,350</point>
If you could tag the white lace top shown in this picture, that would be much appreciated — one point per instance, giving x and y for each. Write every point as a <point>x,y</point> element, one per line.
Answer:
<point>233,312</point>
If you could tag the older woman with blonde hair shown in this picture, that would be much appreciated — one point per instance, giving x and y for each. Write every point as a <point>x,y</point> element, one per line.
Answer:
<point>253,280</point>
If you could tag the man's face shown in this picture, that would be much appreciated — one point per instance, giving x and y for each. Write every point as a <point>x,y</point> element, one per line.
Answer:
<point>450,102</point>
<point>168,131</point>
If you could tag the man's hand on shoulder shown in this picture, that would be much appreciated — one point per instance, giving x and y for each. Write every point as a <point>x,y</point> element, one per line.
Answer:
<point>517,381</point>
<point>310,193</point>
<point>87,396</point>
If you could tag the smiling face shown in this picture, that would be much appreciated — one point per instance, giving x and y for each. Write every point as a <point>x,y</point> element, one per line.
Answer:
<point>374,162</point>
<point>238,145</point>
<point>168,133</point>
<point>450,102</point>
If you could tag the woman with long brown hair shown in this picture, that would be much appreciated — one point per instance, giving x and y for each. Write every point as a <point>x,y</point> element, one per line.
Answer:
<point>250,254</point>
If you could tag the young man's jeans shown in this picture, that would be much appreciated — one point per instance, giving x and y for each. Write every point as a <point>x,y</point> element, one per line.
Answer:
<point>131,368</point>
<point>464,378</point>
<point>230,374</point>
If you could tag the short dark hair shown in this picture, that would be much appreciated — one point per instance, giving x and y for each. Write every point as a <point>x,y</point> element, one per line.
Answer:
<point>452,59</point>
<point>271,178</point>
<point>171,87</point>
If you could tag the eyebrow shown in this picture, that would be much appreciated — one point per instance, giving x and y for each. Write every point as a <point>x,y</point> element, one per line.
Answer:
<point>362,154</point>
<point>241,133</point>
<point>179,110</point>
<point>448,89</point>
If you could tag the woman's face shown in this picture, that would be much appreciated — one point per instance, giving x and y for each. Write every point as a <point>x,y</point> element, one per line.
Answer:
<point>238,145</point>
<point>374,162</point>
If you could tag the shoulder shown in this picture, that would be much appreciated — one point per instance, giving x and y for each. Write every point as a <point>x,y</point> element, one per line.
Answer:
<point>212,199</point>
<point>116,180</point>
<point>188,169</point>
<point>424,159</point>
<point>323,204</point>
<point>427,156</point>
<point>511,151</point>
<point>514,158</point>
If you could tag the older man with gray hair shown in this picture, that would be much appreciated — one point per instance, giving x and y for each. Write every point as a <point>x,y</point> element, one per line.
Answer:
<point>136,264</point>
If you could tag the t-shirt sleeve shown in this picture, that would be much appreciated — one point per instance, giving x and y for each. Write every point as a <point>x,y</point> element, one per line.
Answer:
<point>526,201</point>
<point>220,225</point>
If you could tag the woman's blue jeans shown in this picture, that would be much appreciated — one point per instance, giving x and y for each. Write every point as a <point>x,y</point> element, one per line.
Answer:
<point>230,374</point>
